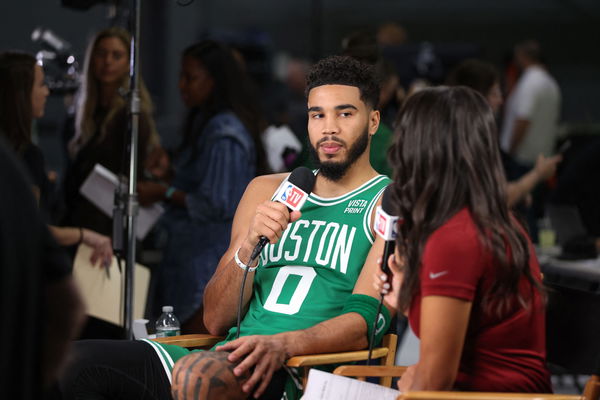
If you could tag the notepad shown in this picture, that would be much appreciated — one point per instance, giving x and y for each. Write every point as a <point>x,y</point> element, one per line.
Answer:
<point>99,188</point>
<point>103,293</point>
<point>326,386</point>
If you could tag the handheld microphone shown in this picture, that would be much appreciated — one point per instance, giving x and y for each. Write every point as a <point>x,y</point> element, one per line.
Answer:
<point>386,226</point>
<point>293,193</point>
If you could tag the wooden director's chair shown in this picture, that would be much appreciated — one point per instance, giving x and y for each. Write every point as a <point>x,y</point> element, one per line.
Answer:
<point>591,392</point>
<point>386,353</point>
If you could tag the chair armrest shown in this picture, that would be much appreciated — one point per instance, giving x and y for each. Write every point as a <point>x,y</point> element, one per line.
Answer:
<point>335,358</point>
<point>195,340</point>
<point>434,395</point>
<point>592,388</point>
<point>369,370</point>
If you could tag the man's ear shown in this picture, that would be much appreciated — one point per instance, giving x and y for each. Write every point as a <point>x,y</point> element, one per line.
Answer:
<point>374,118</point>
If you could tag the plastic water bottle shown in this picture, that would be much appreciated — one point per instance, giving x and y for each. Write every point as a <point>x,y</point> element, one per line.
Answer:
<point>167,324</point>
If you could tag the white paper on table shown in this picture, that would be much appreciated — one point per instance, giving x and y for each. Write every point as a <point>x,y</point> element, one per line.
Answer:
<point>103,293</point>
<point>326,386</point>
<point>99,188</point>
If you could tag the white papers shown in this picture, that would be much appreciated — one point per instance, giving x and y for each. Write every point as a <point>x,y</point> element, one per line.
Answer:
<point>99,188</point>
<point>325,386</point>
<point>103,292</point>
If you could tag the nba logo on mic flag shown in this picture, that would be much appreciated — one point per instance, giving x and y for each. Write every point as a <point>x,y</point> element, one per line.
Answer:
<point>291,196</point>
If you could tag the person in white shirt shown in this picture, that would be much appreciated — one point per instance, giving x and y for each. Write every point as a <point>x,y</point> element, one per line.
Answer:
<point>532,109</point>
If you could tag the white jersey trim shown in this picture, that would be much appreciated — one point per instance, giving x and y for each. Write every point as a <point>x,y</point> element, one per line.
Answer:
<point>163,356</point>
<point>332,201</point>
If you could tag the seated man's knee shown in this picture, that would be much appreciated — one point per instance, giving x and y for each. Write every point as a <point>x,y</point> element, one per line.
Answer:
<point>206,375</point>
<point>83,356</point>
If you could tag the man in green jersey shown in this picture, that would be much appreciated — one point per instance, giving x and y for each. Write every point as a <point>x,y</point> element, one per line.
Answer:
<point>312,291</point>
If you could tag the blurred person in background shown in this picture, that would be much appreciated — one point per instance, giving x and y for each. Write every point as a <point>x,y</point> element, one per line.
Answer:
<point>220,153</point>
<point>42,309</point>
<point>100,130</point>
<point>389,101</point>
<point>532,110</point>
<point>23,94</point>
<point>392,93</point>
<point>295,81</point>
<point>484,78</point>
<point>363,46</point>
<point>531,116</point>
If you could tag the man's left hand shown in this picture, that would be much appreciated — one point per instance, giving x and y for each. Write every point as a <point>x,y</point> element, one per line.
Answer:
<point>265,354</point>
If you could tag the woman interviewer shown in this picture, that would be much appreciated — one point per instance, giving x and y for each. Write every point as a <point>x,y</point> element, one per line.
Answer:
<point>468,276</point>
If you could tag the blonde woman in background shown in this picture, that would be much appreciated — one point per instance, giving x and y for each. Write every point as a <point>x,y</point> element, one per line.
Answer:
<point>101,121</point>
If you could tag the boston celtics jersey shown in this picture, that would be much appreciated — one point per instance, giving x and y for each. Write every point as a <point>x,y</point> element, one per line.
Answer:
<point>307,276</point>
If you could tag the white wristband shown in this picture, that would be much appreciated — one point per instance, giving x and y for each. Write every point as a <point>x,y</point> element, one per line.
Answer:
<point>241,264</point>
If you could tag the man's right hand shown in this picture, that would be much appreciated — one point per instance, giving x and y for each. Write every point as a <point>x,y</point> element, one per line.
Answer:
<point>255,216</point>
<point>270,220</point>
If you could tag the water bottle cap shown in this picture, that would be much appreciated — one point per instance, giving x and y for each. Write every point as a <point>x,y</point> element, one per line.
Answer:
<point>167,308</point>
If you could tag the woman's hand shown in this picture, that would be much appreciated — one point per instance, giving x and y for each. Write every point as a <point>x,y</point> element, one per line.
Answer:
<point>391,291</point>
<point>102,246</point>
<point>406,380</point>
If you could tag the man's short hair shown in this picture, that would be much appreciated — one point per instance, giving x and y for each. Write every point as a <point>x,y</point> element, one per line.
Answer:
<point>344,70</point>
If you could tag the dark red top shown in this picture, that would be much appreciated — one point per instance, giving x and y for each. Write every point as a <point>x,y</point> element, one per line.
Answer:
<point>501,354</point>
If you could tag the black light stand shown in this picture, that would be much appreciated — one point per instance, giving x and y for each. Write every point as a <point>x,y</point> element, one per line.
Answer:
<point>131,208</point>
<point>126,204</point>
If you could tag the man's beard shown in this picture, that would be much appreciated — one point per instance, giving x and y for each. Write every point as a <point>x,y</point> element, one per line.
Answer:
<point>336,170</point>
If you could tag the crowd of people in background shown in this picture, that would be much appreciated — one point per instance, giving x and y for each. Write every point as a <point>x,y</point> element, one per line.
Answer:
<point>222,148</point>
<point>527,111</point>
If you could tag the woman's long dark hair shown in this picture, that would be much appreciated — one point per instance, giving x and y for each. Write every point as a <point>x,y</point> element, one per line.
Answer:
<point>445,157</point>
<point>232,91</point>
<point>16,85</point>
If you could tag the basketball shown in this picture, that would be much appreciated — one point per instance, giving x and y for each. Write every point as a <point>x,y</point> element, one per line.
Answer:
<point>206,375</point>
